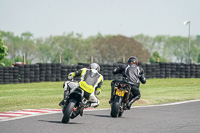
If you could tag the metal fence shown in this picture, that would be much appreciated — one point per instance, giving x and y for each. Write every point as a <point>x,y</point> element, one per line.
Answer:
<point>58,72</point>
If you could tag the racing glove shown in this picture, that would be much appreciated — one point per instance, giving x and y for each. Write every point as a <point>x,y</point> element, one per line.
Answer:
<point>98,91</point>
<point>71,75</point>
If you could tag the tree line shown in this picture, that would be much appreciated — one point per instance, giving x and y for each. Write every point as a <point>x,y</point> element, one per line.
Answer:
<point>172,48</point>
<point>74,48</point>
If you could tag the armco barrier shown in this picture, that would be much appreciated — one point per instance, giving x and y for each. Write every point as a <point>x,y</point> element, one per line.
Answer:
<point>45,72</point>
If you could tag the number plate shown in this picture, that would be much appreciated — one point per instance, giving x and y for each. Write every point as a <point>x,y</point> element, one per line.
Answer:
<point>120,92</point>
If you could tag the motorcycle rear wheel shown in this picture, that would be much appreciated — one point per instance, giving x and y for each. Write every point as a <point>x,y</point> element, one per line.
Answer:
<point>67,111</point>
<point>115,109</point>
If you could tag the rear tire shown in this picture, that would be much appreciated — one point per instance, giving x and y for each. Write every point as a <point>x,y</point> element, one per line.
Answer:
<point>115,109</point>
<point>67,111</point>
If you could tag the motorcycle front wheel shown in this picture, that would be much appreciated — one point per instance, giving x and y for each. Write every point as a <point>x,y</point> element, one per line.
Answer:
<point>67,111</point>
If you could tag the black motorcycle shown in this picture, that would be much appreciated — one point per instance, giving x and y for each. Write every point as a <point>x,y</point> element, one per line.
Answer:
<point>120,98</point>
<point>74,105</point>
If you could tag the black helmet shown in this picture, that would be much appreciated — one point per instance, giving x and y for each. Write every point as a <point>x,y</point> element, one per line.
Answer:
<point>133,60</point>
<point>95,66</point>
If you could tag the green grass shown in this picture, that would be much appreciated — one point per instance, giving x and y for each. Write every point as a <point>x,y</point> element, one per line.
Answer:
<point>49,94</point>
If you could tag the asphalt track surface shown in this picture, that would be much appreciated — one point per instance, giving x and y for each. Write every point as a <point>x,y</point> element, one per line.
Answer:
<point>176,118</point>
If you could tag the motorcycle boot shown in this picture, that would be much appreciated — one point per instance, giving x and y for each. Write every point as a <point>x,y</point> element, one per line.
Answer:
<point>66,93</point>
<point>63,102</point>
<point>94,105</point>
<point>88,104</point>
<point>132,101</point>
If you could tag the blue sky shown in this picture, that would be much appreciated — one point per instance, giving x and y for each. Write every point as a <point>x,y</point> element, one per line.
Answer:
<point>88,17</point>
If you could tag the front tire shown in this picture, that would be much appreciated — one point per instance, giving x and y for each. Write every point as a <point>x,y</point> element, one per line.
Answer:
<point>67,111</point>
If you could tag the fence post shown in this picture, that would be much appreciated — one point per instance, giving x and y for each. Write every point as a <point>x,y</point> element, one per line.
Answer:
<point>124,59</point>
<point>24,59</point>
<point>91,60</point>
<point>60,57</point>
<point>157,60</point>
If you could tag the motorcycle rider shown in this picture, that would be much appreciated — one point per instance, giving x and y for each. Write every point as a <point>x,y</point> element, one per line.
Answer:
<point>133,75</point>
<point>91,82</point>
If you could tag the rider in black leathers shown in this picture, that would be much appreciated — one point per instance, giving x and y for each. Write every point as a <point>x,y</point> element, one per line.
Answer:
<point>133,75</point>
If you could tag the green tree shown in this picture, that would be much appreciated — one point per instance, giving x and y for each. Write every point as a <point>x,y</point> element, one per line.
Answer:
<point>6,62</point>
<point>173,48</point>
<point>176,46</point>
<point>44,52</point>
<point>74,48</point>
<point>13,44</point>
<point>20,59</point>
<point>156,58</point>
<point>28,47</point>
<point>3,50</point>
<point>198,59</point>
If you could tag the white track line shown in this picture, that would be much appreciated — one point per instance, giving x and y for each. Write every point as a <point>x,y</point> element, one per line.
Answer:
<point>168,104</point>
<point>6,116</point>
<point>53,111</point>
<point>158,105</point>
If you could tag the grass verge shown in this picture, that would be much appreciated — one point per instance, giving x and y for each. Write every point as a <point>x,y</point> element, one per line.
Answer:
<point>49,94</point>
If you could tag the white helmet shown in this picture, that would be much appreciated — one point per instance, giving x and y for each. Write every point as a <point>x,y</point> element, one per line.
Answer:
<point>95,66</point>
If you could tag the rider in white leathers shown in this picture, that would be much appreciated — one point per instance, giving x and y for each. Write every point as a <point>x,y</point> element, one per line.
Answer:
<point>91,82</point>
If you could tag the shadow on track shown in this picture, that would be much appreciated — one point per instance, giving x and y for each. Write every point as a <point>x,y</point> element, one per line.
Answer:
<point>99,115</point>
<point>59,122</point>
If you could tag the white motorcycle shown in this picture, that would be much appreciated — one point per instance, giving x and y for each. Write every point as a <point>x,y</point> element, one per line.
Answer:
<point>75,101</point>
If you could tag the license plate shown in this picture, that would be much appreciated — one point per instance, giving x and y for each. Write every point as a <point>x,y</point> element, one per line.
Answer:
<point>120,92</point>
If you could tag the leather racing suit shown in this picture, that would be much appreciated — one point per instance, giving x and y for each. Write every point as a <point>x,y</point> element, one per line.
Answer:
<point>133,75</point>
<point>91,82</point>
